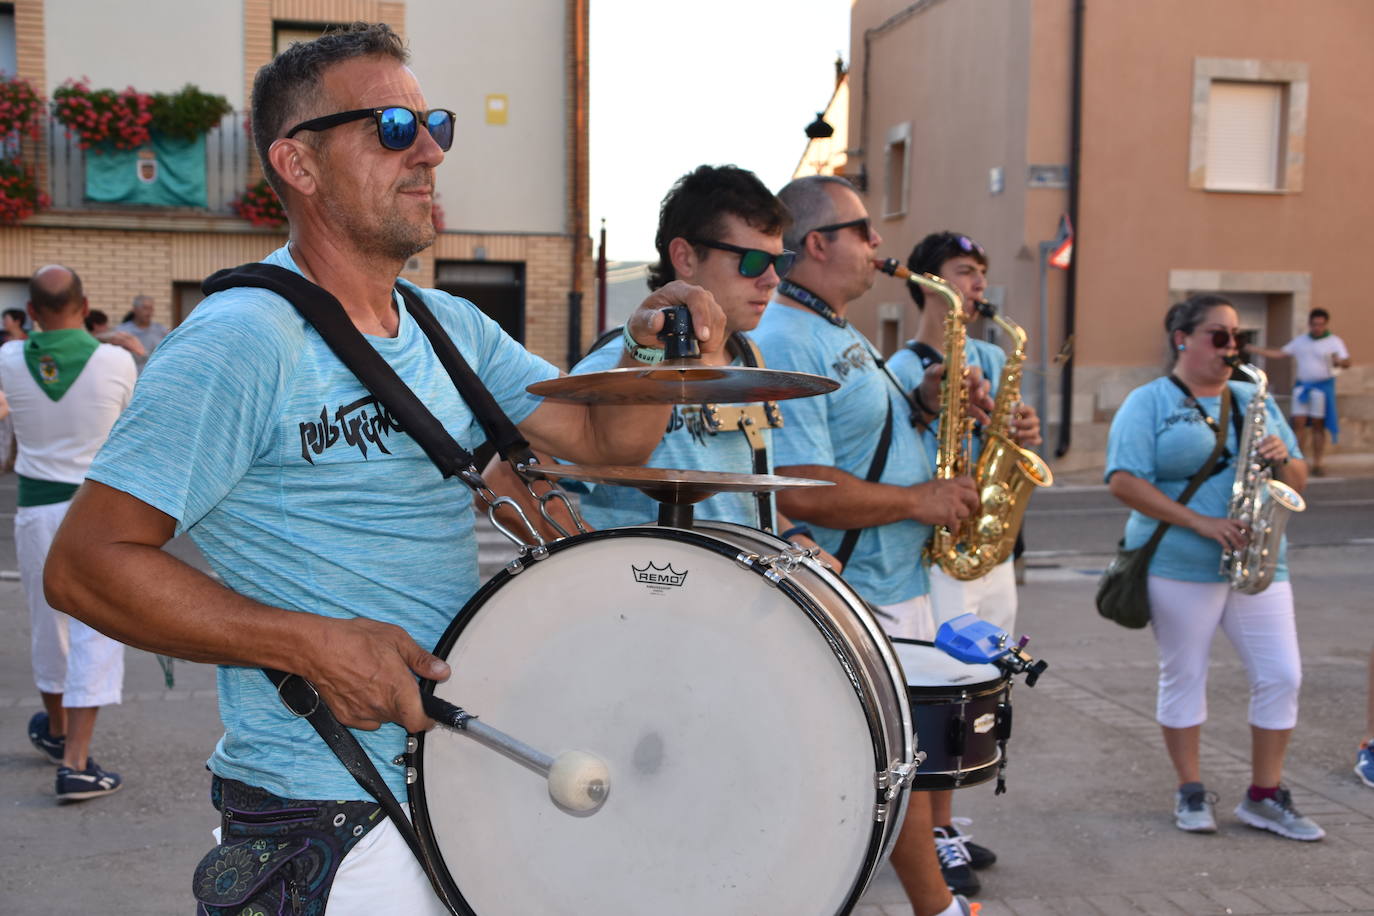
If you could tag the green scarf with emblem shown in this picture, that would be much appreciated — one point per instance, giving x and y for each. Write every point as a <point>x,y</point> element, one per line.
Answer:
<point>56,358</point>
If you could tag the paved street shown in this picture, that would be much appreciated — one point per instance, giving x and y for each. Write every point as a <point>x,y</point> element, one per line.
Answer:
<point>1085,828</point>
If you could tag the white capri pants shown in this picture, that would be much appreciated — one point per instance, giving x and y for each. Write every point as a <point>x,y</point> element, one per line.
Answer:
<point>909,619</point>
<point>1185,617</point>
<point>70,658</point>
<point>991,597</point>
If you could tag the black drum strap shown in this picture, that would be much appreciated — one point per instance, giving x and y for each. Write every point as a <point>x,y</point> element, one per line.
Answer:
<point>304,701</point>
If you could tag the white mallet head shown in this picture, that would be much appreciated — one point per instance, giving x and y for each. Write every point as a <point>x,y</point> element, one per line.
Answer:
<point>579,781</point>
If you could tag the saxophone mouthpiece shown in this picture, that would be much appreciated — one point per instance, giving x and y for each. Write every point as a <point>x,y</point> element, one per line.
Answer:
<point>892,267</point>
<point>985,308</point>
<point>1234,360</point>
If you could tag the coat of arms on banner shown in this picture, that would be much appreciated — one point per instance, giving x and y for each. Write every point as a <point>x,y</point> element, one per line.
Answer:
<point>146,163</point>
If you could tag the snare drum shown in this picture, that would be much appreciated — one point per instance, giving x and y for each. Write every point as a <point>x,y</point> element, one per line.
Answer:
<point>750,714</point>
<point>962,714</point>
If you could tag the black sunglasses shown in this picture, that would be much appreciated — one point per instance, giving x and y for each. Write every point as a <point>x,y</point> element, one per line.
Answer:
<point>1221,337</point>
<point>861,224</point>
<point>753,261</point>
<point>397,127</point>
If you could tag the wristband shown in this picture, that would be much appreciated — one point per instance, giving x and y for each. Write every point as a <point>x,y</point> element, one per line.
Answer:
<point>795,530</point>
<point>650,355</point>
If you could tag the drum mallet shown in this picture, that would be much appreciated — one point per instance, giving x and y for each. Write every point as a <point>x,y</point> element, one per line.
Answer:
<point>578,781</point>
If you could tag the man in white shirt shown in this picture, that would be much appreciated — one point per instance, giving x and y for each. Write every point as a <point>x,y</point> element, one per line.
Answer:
<point>64,390</point>
<point>1319,353</point>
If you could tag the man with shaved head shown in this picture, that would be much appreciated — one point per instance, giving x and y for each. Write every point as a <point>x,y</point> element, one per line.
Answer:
<point>65,390</point>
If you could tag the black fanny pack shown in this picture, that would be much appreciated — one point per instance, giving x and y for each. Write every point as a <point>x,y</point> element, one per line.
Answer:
<point>276,855</point>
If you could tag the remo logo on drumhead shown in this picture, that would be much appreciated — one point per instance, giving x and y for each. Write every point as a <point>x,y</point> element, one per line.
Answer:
<point>659,577</point>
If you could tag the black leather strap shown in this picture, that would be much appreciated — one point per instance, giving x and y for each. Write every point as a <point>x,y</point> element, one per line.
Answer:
<point>875,470</point>
<point>303,700</point>
<point>1206,470</point>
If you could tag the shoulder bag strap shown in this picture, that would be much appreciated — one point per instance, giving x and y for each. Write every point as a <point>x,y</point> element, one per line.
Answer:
<point>1206,470</point>
<point>875,470</point>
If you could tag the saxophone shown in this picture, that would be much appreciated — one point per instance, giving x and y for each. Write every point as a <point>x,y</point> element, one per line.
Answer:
<point>1258,501</point>
<point>1006,473</point>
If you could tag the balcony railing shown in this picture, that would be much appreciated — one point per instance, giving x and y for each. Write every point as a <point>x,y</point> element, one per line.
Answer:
<point>228,151</point>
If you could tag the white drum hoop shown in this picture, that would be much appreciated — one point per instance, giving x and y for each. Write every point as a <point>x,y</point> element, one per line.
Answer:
<point>863,675</point>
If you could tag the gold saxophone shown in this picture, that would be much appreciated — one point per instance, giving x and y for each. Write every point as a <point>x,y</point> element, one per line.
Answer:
<point>1262,503</point>
<point>1006,473</point>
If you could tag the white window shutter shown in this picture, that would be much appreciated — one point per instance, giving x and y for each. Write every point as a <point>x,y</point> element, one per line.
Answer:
<point>1243,127</point>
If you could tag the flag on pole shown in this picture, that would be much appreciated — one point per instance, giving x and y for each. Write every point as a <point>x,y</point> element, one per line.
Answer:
<point>1062,253</point>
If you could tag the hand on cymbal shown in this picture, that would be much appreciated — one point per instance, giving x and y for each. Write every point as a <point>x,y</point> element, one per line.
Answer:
<point>708,320</point>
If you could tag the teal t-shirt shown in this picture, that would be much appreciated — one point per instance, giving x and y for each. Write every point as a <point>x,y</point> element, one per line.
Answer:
<point>687,445</point>
<point>988,357</point>
<point>1160,438</point>
<point>841,429</point>
<point>303,493</point>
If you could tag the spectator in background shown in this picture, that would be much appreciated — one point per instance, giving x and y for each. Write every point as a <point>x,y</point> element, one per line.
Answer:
<point>14,324</point>
<point>98,324</point>
<point>142,326</point>
<point>1319,353</point>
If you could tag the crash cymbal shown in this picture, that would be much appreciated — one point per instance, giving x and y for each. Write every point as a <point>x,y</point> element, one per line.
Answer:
<point>670,485</point>
<point>683,382</point>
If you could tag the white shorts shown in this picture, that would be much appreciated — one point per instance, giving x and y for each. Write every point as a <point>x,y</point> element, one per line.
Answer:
<point>909,619</point>
<point>1185,617</point>
<point>1315,406</point>
<point>991,597</point>
<point>70,658</point>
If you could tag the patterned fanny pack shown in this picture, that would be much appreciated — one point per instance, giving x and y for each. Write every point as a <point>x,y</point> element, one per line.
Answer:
<point>276,855</point>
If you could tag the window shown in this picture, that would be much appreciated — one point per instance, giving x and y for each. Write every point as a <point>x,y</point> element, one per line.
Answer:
<point>896,161</point>
<point>9,47</point>
<point>286,33</point>
<point>498,289</point>
<point>1249,125</point>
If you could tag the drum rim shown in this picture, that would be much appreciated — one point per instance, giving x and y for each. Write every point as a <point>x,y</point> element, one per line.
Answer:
<point>882,832</point>
<point>973,688</point>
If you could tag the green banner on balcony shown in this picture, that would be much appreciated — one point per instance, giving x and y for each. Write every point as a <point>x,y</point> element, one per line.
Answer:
<point>166,172</point>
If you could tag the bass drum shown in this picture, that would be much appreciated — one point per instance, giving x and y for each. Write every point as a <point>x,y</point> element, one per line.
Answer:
<point>751,717</point>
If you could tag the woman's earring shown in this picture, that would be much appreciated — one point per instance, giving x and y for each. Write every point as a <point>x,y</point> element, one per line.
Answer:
<point>1182,347</point>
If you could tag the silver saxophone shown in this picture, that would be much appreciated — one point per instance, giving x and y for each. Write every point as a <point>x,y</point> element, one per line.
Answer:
<point>1258,501</point>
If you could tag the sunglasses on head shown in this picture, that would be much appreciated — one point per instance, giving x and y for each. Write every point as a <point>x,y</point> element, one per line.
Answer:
<point>861,224</point>
<point>753,261</point>
<point>397,127</point>
<point>968,245</point>
<point>1221,337</point>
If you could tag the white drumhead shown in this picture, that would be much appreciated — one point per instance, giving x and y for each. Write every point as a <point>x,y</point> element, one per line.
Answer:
<point>741,762</point>
<point>927,666</point>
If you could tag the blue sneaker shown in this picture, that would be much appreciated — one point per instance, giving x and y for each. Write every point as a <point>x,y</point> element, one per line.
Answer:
<point>92,782</point>
<point>39,736</point>
<point>1364,765</point>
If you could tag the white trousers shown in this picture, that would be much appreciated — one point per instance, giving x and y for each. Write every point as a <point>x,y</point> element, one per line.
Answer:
<point>1185,616</point>
<point>909,619</point>
<point>70,658</point>
<point>991,597</point>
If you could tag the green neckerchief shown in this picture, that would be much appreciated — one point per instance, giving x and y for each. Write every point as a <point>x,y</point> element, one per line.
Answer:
<point>1319,336</point>
<point>56,358</point>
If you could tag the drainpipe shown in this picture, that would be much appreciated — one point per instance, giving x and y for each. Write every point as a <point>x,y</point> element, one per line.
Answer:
<point>577,171</point>
<point>1075,161</point>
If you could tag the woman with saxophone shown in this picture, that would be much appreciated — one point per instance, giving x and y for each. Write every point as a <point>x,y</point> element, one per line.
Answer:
<point>1161,437</point>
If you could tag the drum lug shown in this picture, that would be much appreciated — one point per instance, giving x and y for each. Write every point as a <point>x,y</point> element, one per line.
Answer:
<point>411,776</point>
<point>892,781</point>
<point>412,745</point>
<point>784,564</point>
<point>746,560</point>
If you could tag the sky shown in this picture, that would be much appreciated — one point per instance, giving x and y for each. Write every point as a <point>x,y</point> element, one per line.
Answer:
<point>677,85</point>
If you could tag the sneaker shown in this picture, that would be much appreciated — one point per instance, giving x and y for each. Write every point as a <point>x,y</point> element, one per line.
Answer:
<point>967,908</point>
<point>1195,809</point>
<point>92,782</point>
<point>954,864</point>
<point>1279,815</point>
<point>979,857</point>
<point>39,736</point>
<point>1364,765</point>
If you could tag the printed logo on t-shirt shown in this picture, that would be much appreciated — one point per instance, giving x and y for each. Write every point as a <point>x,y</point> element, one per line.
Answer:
<point>855,356</point>
<point>359,424</point>
<point>690,419</point>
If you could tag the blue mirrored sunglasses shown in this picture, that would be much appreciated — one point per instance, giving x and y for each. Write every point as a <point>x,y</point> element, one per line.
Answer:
<point>397,127</point>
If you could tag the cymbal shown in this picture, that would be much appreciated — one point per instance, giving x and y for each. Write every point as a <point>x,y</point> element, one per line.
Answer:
<point>683,382</point>
<point>669,485</point>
